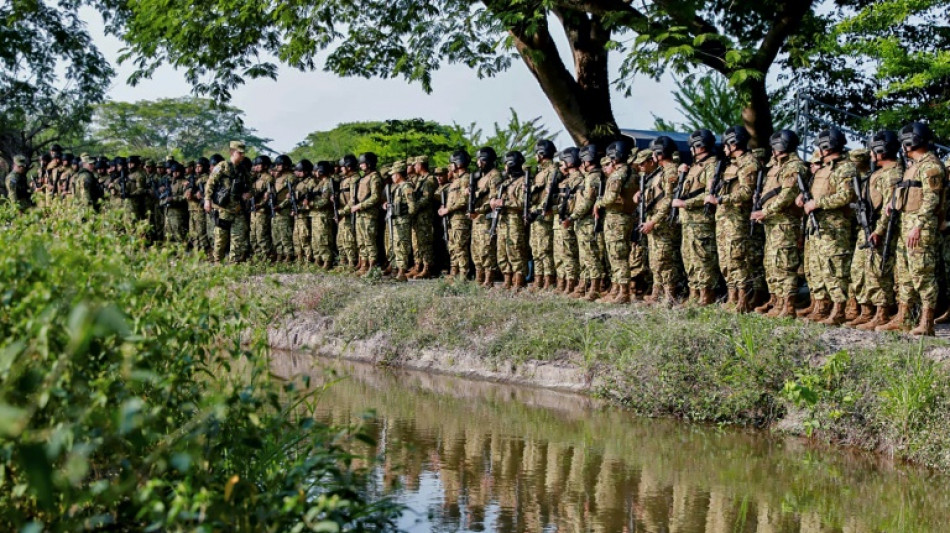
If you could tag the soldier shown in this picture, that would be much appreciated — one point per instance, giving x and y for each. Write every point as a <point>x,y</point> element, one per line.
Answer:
<point>87,193</point>
<point>542,228</point>
<point>618,206</point>
<point>366,197</point>
<point>17,184</point>
<point>733,203</point>
<point>456,204</point>
<point>872,283</point>
<point>698,244</point>
<point>644,170</point>
<point>282,224</point>
<point>322,204</point>
<point>917,199</point>
<point>262,243</point>
<point>175,205</point>
<point>227,190</point>
<point>511,243</point>
<point>346,225</point>
<point>782,224</point>
<point>400,211</point>
<point>829,257</point>
<point>566,260</point>
<point>584,219</point>
<point>136,189</point>
<point>662,234</point>
<point>483,246</point>
<point>210,218</point>
<point>303,188</point>
<point>194,195</point>
<point>423,223</point>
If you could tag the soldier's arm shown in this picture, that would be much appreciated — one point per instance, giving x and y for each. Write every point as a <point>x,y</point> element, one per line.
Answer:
<point>375,193</point>
<point>611,192</point>
<point>744,189</point>
<point>664,207</point>
<point>788,193</point>
<point>844,192</point>
<point>931,177</point>
<point>705,176</point>
<point>881,228</point>
<point>585,202</point>
<point>427,197</point>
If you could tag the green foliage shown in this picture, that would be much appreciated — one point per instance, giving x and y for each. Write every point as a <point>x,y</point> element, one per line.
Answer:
<point>186,127</point>
<point>128,400</point>
<point>517,134</point>
<point>709,102</point>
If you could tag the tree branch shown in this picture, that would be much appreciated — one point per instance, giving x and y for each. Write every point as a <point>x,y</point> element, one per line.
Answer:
<point>793,13</point>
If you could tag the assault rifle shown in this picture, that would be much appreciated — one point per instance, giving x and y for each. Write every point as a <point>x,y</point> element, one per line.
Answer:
<point>354,189</point>
<point>334,192</point>
<point>445,219</point>
<point>123,182</point>
<point>599,212</point>
<point>389,217</point>
<point>680,183</point>
<point>636,236</point>
<point>564,203</point>
<point>889,234</point>
<point>472,188</point>
<point>496,212</point>
<point>757,198</point>
<point>526,209</point>
<point>806,197</point>
<point>293,197</point>
<point>552,187</point>
<point>716,185</point>
<point>862,206</point>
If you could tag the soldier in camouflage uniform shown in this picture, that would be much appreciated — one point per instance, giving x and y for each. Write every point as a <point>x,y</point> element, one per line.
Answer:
<point>424,185</point>
<point>584,217</point>
<point>618,207</point>
<point>872,284</point>
<point>321,204</point>
<point>175,205</point>
<point>566,259</point>
<point>645,170</point>
<point>346,225</point>
<point>455,210</point>
<point>367,196</point>
<point>733,204</point>
<point>511,242</point>
<point>87,184</point>
<point>194,195</point>
<point>782,223</point>
<point>829,257</point>
<point>282,223</point>
<point>662,233</point>
<point>542,229</point>
<point>16,184</point>
<point>227,190</point>
<point>262,244</point>
<point>483,246</point>
<point>400,210</point>
<point>303,187</point>
<point>917,201</point>
<point>698,245</point>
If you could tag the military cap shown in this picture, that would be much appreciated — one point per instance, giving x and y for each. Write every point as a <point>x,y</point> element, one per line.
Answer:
<point>633,156</point>
<point>150,162</point>
<point>759,153</point>
<point>642,157</point>
<point>859,155</point>
<point>190,164</point>
<point>604,161</point>
<point>423,159</point>
<point>88,159</point>
<point>20,160</point>
<point>410,161</point>
<point>398,168</point>
<point>385,171</point>
<point>439,170</point>
<point>238,146</point>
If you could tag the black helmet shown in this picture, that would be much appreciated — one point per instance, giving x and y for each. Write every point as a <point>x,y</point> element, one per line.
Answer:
<point>68,158</point>
<point>915,135</point>
<point>736,136</point>
<point>663,145</point>
<point>305,166</point>
<point>349,162</point>
<point>571,156</point>
<point>488,155</point>
<point>545,148</point>
<point>832,140</point>
<point>56,148</point>
<point>119,161</point>
<point>175,167</point>
<point>261,160</point>
<point>369,159</point>
<point>702,139</point>
<point>784,141</point>
<point>101,164</point>
<point>137,160</point>
<point>216,158</point>
<point>589,153</point>
<point>460,158</point>
<point>514,163</point>
<point>618,150</point>
<point>203,161</point>
<point>104,159</point>
<point>284,160</point>
<point>885,143</point>
<point>324,168</point>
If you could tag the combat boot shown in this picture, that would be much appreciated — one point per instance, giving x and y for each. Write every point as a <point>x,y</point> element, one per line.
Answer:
<point>802,313</point>
<point>519,282</point>
<point>880,318</point>
<point>764,308</point>
<point>580,290</point>
<point>389,269</point>
<point>926,325</point>
<point>594,291</point>
<point>361,269</point>
<point>837,315</point>
<point>561,283</point>
<point>788,308</point>
<point>489,281</point>
<point>944,318</point>
<point>635,295</point>
<point>852,310</point>
<point>401,275</point>
<point>507,284</point>
<point>623,295</point>
<point>550,282</point>
<point>820,312</point>
<point>693,296</point>
<point>479,276</point>
<point>742,301</point>
<point>453,272</point>
<point>865,314</point>
<point>569,287</point>
<point>897,322</point>
<point>413,271</point>
<point>425,273</point>
<point>778,305</point>
<point>706,297</point>
<point>732,299</point>
<point>370,265</point>
<point>655,295</point>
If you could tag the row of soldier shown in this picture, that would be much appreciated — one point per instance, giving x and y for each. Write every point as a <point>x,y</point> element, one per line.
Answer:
<point>863,227</point>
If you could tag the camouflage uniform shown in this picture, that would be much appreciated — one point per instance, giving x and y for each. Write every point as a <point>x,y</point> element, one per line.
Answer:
<point>423,222</point>
<point>619,208</point>
<point>566,256</point>
<point>829,257</point>
<point>367,194</point>
<point>483,246</point>
<point>511,240</point>
<point>782,225</point>
<point>176,211</point>
<point>282,225</point>
<point>86,183</point>
<point>302,248</point>
<point>228,185</point>
<point>542,230</point>
<point>402,211</point>
<point>262,244</point>
<point>664,240</point>
<point>460,226</point>
<point>589,252</point>
<point>346,227</point>
<point>17,187</point>
<point>870,284</point>
<point>698,246</point>
<point>733,240</point>
<point>321,221</point>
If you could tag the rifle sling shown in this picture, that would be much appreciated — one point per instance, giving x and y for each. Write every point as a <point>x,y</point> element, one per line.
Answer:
<point>769,195</point>
<point>693,194</point>
<point>907,184</point>
<point>650,206</point>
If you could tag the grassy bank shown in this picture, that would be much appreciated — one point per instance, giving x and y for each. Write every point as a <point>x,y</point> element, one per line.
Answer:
<point>129,402</point>
<point>880,392</point>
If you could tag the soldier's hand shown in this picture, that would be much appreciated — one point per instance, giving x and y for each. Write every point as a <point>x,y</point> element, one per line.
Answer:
<point>188,195</point>
<point>799,201</point>
<point>810,206</point>
<point>443,211</point>
<point>386,206</point>
<point>636,197</point>
<point>913,238</point>
<point>710,199</point>
<point>679,204</point>
<point>354,208</point>
<point>647,227</point>
<point>472,216</point>
<point>684,168</point>
<point>567,223</point>
<point>875,240</point>
<point>887,210</point>
<point>207,207</point>
<point>757,216</point>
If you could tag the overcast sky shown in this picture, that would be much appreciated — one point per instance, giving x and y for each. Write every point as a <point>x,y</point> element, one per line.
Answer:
<point>297,103</point>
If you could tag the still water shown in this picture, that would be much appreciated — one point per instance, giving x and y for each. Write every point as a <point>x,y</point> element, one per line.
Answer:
<point>476,456</point>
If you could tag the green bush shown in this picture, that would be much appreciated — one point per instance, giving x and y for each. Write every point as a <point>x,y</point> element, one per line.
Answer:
<point>128,400</point>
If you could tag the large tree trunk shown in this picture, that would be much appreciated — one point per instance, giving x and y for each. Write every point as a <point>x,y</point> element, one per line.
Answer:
<point>757,116</point>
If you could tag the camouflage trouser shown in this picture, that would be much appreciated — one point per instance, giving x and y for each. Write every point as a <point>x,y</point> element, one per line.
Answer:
<point>422,239</point>
<point>757,258</point>
<point>176,224</point>
<point>302,248</point>
<point>157,218</point>
<point>346,241</point>
<point>782,259</point>
<point>566,260</point>
<point>588,250</point>
<point>915,273</point>
<point>869,285</point>
<point>321,235</point>
<point>638,260</point>
<point>198,230</point>
<point>209,226</point>
<point>734,251</point>
<point>512,245</point>
<point>943,261</point>
<point>664,259</point>
<point>829,264</point>
<point>231,234</point>
<point>401,242</point>
<point>617,230</point>
<point>460,238</point>
<point>366,236</point>
<point>261,244</point>
<point>542,247</point>
<point>483,247</point>
<point>282,233</point>
<point>698,249</point>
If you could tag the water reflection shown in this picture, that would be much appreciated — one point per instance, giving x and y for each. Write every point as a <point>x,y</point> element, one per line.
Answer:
<point>476,456</point>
